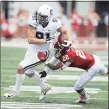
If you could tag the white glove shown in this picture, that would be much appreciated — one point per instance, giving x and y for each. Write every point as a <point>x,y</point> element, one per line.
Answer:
<point>50,40</point>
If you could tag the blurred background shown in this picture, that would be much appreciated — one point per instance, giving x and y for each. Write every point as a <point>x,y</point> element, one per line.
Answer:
<point>87,21</point>
<point>88,24</point>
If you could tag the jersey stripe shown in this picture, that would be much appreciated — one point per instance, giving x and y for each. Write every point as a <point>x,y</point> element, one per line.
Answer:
<point>32,65</point>
<point>37,63</point>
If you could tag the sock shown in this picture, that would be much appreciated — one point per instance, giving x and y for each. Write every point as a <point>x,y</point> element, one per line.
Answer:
<point>38,80</point>
<point>19,81</point>
<point>81,92</point>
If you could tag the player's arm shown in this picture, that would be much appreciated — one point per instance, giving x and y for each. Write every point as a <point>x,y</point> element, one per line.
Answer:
<point>60,65</point>
<point>63,30</point>
<point>53,67</point>
<point>47,69</point>
<point>31,35</point>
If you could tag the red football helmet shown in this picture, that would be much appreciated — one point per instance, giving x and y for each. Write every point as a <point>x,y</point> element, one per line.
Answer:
<point>62,42</point>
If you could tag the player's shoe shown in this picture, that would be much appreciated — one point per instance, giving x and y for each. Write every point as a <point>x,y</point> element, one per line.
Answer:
<point>44,91</point>
<point>83,99</point>
<point>11,94</point>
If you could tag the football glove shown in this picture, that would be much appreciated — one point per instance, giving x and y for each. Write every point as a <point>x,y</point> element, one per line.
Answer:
<point>43,74</point>
<point>50,40</point>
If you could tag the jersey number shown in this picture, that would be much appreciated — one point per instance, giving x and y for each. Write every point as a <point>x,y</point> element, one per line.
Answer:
<point>80,53</point>
<point>41,35</point>
<point>65,58</point>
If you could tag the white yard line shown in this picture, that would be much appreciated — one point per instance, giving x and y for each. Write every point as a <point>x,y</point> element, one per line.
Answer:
<point>71,77</point>
<point>64,97</point>
<point>74,77</point>
<point>23,105</point>
<point>54,89</point>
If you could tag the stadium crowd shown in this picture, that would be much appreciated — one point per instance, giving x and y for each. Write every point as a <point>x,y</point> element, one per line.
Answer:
<point>79,26</point>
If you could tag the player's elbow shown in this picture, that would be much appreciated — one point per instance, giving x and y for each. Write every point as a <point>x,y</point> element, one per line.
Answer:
<point>29,41</point>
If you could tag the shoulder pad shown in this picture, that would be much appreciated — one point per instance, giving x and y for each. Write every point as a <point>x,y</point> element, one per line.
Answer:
<point>54,20</point>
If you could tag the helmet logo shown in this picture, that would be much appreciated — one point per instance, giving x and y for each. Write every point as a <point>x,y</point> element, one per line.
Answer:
<point>51,12</point>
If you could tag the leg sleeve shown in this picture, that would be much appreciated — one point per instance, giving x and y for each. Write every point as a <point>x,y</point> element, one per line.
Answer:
<point>85,78</point>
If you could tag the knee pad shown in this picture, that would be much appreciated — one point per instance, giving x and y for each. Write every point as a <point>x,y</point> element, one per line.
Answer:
<point>20,69</point>
<point>30,72</point>
<point>30,75</point>
<point>77,87</point>
<point>103,71</point>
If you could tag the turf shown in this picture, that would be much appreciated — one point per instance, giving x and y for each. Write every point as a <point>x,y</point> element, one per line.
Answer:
<point>10,57</point>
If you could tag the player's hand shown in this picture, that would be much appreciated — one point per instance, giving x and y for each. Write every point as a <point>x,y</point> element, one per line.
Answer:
<point>50,40</point>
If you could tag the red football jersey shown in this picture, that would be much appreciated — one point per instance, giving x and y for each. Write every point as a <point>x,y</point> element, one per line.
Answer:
<point>78,58</point>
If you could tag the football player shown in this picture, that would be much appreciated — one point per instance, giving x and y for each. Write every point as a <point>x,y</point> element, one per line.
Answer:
<point>41,29</point>
<point>67,56</point>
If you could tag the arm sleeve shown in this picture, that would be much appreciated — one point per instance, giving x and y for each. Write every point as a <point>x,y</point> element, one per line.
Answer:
<point>53,60</point>
<point>65,65</point>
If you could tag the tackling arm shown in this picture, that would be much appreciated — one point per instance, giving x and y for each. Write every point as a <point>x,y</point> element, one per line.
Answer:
<point>54,64</point>
<point>47,69</point>
<point>60,65</point>
<point>53,67</point>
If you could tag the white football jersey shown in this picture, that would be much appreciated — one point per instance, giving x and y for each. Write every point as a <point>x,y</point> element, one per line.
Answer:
<point>44,33</point>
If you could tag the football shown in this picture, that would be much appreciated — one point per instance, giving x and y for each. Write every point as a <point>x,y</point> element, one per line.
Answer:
<point>61,38</point>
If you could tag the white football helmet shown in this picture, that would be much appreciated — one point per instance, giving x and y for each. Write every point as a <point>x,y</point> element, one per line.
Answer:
<point>44,13</point>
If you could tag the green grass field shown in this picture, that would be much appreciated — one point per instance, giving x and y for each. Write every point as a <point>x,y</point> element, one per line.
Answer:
<point>65,96</point>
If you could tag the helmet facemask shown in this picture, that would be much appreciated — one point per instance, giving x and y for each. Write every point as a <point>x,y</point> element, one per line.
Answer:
<point>43,19</point>
<point>44,14</point>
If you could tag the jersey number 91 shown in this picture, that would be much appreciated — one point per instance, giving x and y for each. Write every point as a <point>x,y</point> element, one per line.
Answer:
<point>41,35</point>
